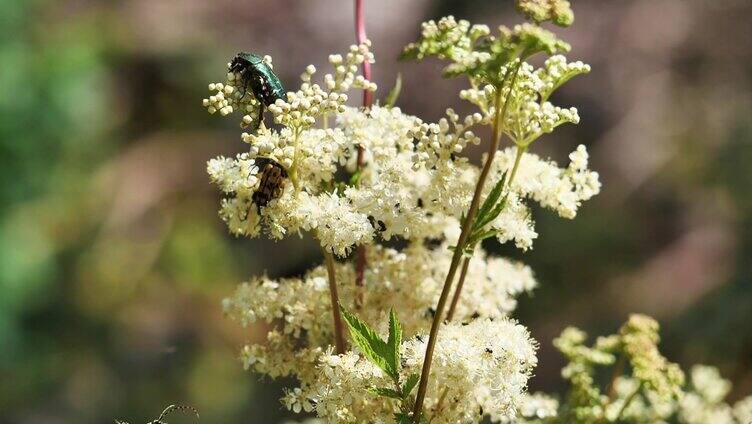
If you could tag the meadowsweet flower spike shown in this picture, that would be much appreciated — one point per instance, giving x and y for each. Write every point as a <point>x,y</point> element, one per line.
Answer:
<point>474,52</point>
<point>409,358</point>
<point>640,339</point>
<point>416,186</point>
<point>529,113</point>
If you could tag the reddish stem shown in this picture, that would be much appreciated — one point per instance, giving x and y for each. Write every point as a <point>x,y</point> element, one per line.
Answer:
<point>339,329</point>
<point>360,32</point>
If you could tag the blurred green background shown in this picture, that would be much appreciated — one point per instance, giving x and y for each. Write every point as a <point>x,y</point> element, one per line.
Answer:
<point>113,262</point>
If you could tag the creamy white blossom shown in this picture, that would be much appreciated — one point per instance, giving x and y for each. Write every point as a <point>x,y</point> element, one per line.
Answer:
<point>560,189</point>
<point>302,308</point>
<point>409,280</point>
<point>537,406</point>
<point>482,366</point>
<point>743,410</point>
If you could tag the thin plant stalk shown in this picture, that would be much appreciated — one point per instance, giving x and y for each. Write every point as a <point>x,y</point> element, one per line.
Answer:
<point>439,405</point>
<point>518,157</point>
<point>458,290</point>
<point>459,249</point>
<point>360,33</point>
<point>360,270</point>
<point>466,262</point>
<point>339,330</point>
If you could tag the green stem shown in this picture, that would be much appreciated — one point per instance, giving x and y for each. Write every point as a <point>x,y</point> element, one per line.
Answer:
<point>507,184</point>
<point>293,171</point>
<point>460,247</point>
<point>458,290</point>
<point>517,159</point>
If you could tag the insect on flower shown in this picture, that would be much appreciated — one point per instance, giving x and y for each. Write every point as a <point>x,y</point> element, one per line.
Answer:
<point>257,74</point>
<point>272,181</point>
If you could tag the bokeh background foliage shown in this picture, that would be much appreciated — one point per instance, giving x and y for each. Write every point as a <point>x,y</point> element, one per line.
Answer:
<point>113,262</point>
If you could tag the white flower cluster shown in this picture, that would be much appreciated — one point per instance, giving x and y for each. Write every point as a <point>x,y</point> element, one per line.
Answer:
<point>491,288</point>
<point>402,199</point>
<point>529,113</point>
<point>555,72</point>
<point>482,369</point>
<point>383,133</point>
<point>536,408</point>
<point>438,143</point>
<point>560,189</point>
<point>234,176</point>
<point>302,307</point>
<point>311,101</point>
<point>329,216</point>
<point>452,39</point>
<point>702,403</point>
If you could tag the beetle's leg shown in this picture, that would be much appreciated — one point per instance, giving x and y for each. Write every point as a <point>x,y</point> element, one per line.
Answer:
<point>245,87</point>
<point>260,116</point>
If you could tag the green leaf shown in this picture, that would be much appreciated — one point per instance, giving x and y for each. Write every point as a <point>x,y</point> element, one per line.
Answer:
<point>395,340</point>
<point>369,342</point>
<point>385,392</point>
<point>490,201</point>
<point>410,384</point>
<point>391,98</point>
<point>411,52</point>
<point>479,236</point>
<point>355,178</point>
<point>490,216</point>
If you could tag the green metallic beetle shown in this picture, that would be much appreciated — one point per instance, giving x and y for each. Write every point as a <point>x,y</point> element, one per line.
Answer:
<point>257,74</point>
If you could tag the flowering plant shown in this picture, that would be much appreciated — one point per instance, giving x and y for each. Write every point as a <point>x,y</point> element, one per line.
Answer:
<point>353,178</point>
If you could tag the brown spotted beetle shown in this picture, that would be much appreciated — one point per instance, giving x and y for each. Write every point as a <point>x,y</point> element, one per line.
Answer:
<point>272,182</point>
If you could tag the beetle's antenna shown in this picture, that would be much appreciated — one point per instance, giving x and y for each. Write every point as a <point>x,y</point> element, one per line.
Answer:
<point>172,408</point>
